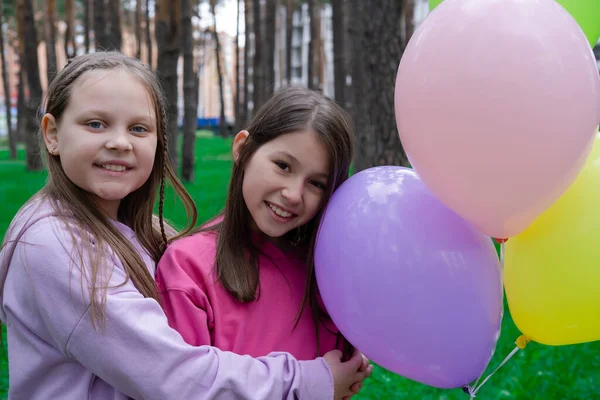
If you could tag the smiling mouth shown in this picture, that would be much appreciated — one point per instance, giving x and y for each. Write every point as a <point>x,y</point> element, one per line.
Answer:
<point>280,212</point>
<point>113,167</point>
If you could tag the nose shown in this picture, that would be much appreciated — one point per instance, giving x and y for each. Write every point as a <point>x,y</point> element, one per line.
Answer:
<point>119,139</point>
<point>292,192</point>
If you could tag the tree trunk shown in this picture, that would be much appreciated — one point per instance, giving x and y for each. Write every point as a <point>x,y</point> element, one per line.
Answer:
<point>409,25</point>
<point>313,47</point>
<point>339,50</point>
<point>190,96</point>
<point>50,28</point>
<point>12,140</point>
<point>114,24</point>
<point>101,39</point>
<point>30,61</point>
<point>358,109</point>
<point>222,122</point>
<point>348,48</point>
<point>377,49</point>
<point>148,35</point>
<point>318,59</point>
<point>289,20</point>
<point>237,102</point>
<point>70,45</point>
<point>270,26</point>
<point>168,41</point>
<point>21,104</point>
<point>138,28</point>
<point>247,30</point>
<point>129,28</point>
<point>258,62</point>
<point>87,11</point>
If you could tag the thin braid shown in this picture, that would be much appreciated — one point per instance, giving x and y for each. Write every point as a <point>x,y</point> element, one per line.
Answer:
<point>161,201</point>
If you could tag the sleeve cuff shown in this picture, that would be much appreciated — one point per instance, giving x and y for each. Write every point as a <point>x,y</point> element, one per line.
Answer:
<point>317,380</point>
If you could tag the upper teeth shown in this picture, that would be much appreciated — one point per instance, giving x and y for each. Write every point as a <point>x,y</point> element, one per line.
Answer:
<point>279,211</point>
<point>114,167</point>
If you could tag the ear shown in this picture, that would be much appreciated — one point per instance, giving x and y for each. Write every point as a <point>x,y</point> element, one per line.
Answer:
<point>238,143</point>
<point>50,133</point>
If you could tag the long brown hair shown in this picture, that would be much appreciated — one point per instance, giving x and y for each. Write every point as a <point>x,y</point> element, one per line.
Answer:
<point>290,109</point>
<point>78,209</point>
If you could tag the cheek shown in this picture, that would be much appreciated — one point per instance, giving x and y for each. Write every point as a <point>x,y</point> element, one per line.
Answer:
<point>72,161</point>
<point>147,154</point>
<point>252,183</point>
<point>248,191</point>
<point>72,167</point>
<point>70,171</point>
<point>313,204</point>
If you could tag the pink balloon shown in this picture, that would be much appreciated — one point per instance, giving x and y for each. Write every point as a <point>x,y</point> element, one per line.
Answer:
<point>497,107</point>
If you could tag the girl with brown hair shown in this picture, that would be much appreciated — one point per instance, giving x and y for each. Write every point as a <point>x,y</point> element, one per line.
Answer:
<point>245,281</point>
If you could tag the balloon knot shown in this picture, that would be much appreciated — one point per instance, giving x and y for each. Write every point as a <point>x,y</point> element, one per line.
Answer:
<point>522,341</point>
<point>468,390</point>
<point>501,240</point>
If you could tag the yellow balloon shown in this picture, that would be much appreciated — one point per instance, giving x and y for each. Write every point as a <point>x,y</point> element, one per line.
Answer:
<point>552,269</point>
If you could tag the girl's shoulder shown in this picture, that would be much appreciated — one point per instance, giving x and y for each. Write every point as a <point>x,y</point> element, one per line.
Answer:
<point>187,262</point>
<point>41,226</point>
<point>170,230</point>
<point>203,240</point>
<point>195,244</point>
<point>38,221</point>
<point>194,254</point>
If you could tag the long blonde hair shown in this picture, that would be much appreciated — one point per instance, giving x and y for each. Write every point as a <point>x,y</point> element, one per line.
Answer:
<point>77,208</point>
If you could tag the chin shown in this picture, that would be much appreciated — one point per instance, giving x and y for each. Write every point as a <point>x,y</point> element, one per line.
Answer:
<point>113,196</point>
<point>273,234</point>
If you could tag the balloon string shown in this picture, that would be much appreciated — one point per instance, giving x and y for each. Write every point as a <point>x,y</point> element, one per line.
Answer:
<point>468,389</point>
<point>502,257</point>
<point>473,391</point>
<point>521,343</point>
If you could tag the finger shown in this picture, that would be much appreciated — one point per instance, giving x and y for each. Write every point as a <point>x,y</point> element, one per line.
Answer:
<point>369,371</point>
<point>365,364</point>
<point>335,353</point>
<point>355,362</point>
<point>355,388</point>
<point>359,377</point>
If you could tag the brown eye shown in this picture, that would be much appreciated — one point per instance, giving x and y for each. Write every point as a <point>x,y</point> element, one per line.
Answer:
<point>318,185</point>
<point>283,166</point>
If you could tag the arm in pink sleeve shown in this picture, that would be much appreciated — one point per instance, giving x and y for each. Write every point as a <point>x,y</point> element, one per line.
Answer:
<point>186,316</point>
<point>183,295</point>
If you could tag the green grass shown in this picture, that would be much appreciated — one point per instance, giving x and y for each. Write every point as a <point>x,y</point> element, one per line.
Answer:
<point>538,372</point>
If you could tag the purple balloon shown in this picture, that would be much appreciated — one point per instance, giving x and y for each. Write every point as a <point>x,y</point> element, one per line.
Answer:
<point>408,282</point>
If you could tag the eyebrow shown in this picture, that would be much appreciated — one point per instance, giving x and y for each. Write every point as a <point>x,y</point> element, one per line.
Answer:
<point>102,114</point>
<point>295,160</point>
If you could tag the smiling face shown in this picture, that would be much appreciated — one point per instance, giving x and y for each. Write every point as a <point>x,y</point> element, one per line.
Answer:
<point>285,181</point>
<point>107,136</point>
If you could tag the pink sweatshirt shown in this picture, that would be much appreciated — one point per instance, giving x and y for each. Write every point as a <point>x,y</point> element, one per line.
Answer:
<point>54,352</point>
<point>204,312</point>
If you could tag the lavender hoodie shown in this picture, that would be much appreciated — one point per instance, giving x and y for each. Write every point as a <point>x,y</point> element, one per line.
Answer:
<point>54,352</point>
